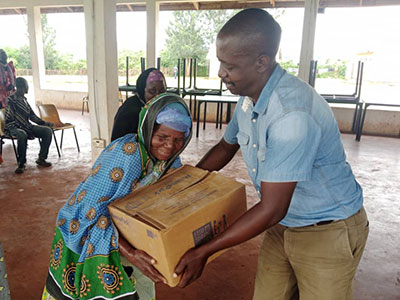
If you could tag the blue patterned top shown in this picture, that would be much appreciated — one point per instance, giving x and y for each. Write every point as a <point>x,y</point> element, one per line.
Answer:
<point>84,221</point>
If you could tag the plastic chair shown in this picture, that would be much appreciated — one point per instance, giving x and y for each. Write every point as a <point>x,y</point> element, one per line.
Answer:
<point>5,136</point>
<point>49,113</point>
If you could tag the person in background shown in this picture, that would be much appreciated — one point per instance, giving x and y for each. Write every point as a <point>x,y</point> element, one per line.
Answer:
<point>311,206</point>
<point>89,259</point>
<point>7,78</point>
<point>18,115</point>
<point>148,85</point>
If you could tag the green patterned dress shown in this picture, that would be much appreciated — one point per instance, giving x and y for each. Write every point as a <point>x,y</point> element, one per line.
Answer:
<point>85,262</point>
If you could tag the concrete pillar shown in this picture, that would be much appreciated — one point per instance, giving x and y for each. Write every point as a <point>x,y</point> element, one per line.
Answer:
<point>36,49</point>
<point>307,44</point>
<point>101,49</point>
<point>152,9</point>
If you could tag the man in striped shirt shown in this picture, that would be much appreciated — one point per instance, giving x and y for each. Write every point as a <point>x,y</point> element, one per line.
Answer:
<point>18,115</point>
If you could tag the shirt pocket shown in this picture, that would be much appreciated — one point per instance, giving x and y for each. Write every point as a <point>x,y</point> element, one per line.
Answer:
<point>243,141</point>
<point>261,153</point>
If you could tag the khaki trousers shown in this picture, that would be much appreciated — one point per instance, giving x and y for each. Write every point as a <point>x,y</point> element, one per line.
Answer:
<point>312,262</point>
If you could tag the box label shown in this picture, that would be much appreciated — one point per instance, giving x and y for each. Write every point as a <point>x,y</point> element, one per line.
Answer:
<point>208,231</point>
<point>203,234</point>
<point>150,234</point>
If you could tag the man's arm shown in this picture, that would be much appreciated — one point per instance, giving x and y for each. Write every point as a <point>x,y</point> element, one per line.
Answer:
<point>10,116</point>
<point>218,156</point>
<point>275,200</point>
<point>34,118</point>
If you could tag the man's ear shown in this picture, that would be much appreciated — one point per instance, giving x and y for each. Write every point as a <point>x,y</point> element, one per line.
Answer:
<point>263,63</point>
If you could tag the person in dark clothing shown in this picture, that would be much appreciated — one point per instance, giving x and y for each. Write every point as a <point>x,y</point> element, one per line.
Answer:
<point>18,115</point>
<point>148,85</point>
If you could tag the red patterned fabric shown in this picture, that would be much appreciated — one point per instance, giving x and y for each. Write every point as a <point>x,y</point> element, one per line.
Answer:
<point>7,78</point>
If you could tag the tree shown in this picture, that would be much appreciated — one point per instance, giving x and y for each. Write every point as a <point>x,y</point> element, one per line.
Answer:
<point>134,60</point>
<point>52,57</point>
<point>20,56</point>
<point>190,34</point>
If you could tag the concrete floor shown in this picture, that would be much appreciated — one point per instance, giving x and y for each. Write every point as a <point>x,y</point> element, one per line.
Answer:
<point>29,204</point>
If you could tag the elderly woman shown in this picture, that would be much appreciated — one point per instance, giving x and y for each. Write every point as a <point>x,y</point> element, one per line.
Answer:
<point>86,259</point>
<point>148,85</point>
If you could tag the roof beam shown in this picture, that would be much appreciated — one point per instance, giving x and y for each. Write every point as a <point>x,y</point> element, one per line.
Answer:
<point>9,7</point>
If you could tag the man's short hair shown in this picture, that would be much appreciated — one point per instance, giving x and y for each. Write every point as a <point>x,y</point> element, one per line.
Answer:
<point>21,82</point>
<point>255,26</point>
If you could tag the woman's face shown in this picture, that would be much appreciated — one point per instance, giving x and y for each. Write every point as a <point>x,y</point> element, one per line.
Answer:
<point>153,89</point>
<point>165,142</point>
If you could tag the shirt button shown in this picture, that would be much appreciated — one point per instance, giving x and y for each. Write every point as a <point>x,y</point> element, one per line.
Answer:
<point>254,170</point>
<point>254,145</point>
<point>254,120</point>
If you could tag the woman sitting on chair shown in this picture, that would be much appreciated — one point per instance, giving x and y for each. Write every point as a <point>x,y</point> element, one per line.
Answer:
<point>85,260</point>
<point>148,85</point>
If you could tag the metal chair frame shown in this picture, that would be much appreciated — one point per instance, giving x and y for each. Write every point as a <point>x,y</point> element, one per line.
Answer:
<point>5,136</point>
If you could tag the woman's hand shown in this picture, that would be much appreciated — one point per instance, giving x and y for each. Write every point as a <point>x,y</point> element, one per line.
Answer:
<point>143,261</point>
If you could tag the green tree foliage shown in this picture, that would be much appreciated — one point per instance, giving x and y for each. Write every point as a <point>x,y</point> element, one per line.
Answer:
<point>332,69</point>
<point>190,34</point>
<point>290,67</point>
<point>53,59</point>
<point>134,60</point>
<point>20,56</point>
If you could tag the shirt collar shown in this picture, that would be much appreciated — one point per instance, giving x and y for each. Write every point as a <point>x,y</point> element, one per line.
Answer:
<point>266,92</point>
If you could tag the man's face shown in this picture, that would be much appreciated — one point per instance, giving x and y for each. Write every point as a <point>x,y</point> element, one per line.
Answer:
<point>3,56</point>
<point>237,67</point>
<point>24,88</point>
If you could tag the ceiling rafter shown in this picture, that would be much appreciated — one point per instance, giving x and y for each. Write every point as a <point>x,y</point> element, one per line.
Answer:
<point>173,5</point>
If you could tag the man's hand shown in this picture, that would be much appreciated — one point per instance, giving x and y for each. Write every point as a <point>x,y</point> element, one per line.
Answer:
<point>143,261</point>
<point>275,201</point>
<point>191,266</point>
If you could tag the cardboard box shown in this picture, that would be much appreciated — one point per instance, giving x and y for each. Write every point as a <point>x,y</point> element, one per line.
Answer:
<point>188,207</point>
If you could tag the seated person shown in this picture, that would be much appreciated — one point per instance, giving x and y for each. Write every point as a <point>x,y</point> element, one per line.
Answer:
<point>148,85</point>
<point>85,260</point>
<point>7,78</point>
<point>18,114</point>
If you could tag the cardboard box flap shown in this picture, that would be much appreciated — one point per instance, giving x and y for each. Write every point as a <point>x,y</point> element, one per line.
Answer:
<point>167,187</point>
<point>188,201</point>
